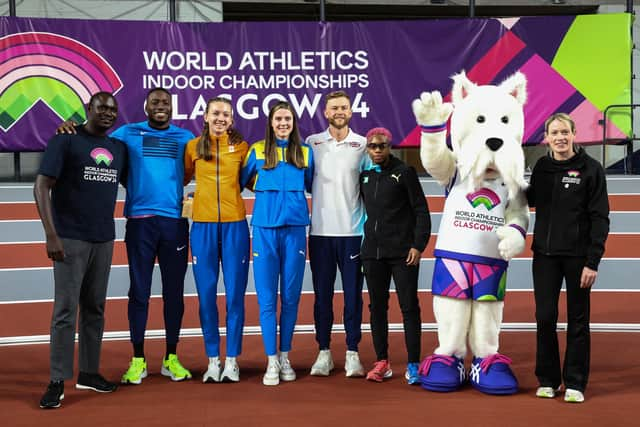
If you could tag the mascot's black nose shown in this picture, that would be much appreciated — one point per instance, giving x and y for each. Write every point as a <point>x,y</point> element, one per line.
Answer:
<point>494,143</point>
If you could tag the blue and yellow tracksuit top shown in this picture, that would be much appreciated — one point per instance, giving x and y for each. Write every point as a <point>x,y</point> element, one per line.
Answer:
<point>280,199</point>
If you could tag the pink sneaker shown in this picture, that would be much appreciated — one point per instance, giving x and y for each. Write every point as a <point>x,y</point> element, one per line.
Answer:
<point>381,370</point>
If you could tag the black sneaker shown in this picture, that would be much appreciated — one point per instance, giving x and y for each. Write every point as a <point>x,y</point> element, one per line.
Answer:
<point>54,394</point>
<point>95,382</point>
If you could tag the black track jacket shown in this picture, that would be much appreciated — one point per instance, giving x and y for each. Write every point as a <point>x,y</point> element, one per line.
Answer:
<point>572,207</point>
<point>397,212</point>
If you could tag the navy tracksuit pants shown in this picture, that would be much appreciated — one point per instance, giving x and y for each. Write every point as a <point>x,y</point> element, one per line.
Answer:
<point>325,255</point>
<point>168,240</point>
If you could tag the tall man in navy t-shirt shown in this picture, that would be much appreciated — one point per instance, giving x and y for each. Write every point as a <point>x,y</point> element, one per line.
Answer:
<point>75,192</point>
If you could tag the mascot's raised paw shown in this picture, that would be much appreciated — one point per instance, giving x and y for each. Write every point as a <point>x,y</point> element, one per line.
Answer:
<point>430,110</point>
<point>511,241</point>
<point>493,375</point>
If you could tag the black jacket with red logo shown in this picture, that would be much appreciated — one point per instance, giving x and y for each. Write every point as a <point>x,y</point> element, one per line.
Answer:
<point>397,211</point>
<point>572,207</point>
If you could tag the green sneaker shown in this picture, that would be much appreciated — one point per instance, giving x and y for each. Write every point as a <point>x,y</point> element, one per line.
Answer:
<point>171,367</point>
<point>136,372</point>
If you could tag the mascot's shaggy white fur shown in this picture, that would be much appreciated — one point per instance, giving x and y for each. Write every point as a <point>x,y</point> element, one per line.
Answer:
<point>483,226</point>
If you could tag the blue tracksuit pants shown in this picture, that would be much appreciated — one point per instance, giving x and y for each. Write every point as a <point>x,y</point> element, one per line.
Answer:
<point>167,239</point>
<point>326,255</point>
<point>212,244</point>
<point>279,255</point>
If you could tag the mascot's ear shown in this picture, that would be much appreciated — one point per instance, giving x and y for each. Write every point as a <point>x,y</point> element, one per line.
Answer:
<point>462,87</point>
<point>516,86</point>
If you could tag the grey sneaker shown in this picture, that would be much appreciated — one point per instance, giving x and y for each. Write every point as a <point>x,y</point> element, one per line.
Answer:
<point>272,374</point>
<point>547,392</point>
<point>352,365</point>
<point>231,371</point>
<point>573,396</point>
<point>323,364</point>
<point>286,371</point>
<point>213,371</point>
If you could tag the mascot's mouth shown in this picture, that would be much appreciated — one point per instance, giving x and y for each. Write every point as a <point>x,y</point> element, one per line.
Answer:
<point>491,172</point>
<point>491,169</point>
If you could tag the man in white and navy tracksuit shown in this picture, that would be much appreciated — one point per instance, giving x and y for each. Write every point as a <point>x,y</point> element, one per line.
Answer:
<point>337,219</point>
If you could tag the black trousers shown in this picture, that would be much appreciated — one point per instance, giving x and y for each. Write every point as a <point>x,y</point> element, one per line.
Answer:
<point>548,273</point>
<point>378,274</point>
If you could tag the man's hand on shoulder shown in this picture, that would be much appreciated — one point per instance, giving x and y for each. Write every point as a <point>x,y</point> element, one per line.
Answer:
<point>67,127</point>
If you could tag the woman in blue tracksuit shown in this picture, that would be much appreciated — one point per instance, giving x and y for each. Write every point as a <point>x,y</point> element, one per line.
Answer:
<point>279,169</point>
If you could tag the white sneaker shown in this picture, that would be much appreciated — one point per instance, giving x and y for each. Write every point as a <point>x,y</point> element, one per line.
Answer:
<point>272,374</point>
<point>323,364</point>
<point>286,371</point>
<point>547,392</point>
<point>213,371</point>
<point>231,370</point>
<point>573,396</point>
<point>352,365</point>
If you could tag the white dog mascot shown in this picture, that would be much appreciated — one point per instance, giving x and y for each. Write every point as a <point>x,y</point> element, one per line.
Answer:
<point>483,226</point>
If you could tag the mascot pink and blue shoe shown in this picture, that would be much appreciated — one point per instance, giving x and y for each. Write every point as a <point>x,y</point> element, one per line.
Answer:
<point>493,375</point>
<point>442,373</point>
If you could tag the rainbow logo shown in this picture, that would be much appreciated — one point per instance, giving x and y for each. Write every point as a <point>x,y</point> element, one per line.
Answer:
<point>484,197</point>
<point>59,71</point>
<point>101,155</point>
<point>573,174</point>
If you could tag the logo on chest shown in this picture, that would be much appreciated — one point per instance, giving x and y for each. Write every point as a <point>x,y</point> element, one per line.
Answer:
<point>101,156</point>
<point>483,197</point>
<point>572,177</point>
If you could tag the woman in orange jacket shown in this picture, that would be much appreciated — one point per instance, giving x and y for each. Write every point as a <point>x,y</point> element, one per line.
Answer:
<point>219,234</point>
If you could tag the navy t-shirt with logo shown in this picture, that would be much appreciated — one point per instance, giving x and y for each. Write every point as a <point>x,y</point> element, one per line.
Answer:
<point>87,169</point>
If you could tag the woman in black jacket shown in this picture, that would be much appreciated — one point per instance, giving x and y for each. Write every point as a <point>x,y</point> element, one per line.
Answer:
<point>395,234</point>
<point>569,191</point>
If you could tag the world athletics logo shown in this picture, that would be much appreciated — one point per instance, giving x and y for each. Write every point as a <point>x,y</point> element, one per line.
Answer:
<point>59,71</point>
<point>101,155</point>
<point>484,197</point>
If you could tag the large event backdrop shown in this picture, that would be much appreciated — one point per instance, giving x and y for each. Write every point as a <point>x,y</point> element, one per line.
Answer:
<point>49,68</point>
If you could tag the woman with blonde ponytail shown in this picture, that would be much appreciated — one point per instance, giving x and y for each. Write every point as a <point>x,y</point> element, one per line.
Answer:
<point>219,233</point>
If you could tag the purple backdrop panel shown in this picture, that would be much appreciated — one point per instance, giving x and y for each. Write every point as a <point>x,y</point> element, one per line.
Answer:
<point>48,69</point>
